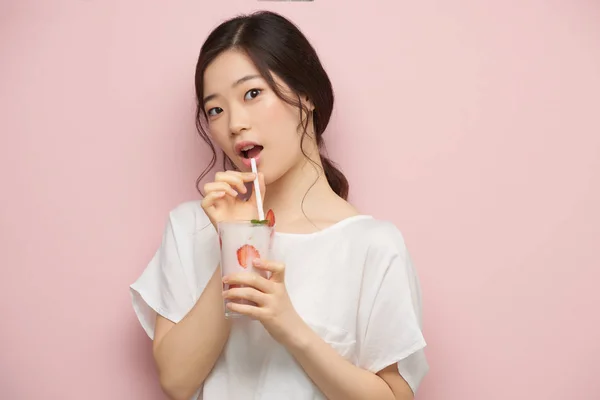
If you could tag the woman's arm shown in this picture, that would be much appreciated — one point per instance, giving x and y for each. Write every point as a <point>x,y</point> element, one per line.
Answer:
<point>334,375</point>
<point>186,352</point>
<point>337,378</point>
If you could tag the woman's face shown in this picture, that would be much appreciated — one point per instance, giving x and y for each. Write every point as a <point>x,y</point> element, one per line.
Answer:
<point>247,119</point>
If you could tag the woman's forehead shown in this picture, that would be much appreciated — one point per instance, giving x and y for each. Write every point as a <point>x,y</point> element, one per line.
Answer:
<point>227,70</point>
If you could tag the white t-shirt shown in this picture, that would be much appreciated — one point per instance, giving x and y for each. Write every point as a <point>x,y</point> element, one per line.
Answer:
<point>353,283</point>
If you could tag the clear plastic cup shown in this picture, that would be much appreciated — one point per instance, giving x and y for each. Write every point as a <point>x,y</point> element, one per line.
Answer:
<point>240,243</point>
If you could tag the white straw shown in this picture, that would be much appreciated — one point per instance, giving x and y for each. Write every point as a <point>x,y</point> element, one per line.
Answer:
<point>259,203</point>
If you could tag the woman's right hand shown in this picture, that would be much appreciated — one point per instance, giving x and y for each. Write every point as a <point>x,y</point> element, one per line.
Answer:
<point>221,201</point>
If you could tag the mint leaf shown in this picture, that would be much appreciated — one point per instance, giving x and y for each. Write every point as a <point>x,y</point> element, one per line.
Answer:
<point>259,221</point>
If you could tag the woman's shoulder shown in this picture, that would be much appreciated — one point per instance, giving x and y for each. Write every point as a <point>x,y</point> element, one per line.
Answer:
<point>189,233</point>
<point>188,217</point>
<point>377,233</point>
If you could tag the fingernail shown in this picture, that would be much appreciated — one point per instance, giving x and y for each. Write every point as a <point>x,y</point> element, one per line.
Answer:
<point>234,193</point>
<point>220,194</point>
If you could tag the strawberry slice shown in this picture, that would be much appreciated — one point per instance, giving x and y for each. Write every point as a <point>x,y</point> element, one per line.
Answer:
<point>246,254</point>
<point>270,217</point>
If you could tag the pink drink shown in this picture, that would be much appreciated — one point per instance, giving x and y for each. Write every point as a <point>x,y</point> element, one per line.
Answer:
<point>241,242</point>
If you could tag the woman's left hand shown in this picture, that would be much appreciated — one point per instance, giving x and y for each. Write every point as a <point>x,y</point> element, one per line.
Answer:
<point>273,307</point>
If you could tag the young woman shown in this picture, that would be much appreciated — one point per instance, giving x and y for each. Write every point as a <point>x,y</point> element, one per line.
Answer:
<point>340,315</point>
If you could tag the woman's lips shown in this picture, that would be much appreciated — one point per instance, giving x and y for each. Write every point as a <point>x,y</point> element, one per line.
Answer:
<point>247,163</point>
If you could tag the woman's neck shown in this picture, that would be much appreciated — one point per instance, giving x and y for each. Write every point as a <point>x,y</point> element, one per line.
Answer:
<point>302,191</point>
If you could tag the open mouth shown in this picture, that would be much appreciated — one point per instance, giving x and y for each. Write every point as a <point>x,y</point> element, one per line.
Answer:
<point>251,151</point>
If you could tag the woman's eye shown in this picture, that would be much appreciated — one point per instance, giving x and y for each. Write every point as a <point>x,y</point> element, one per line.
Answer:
<point>214,111</point>
<point>251,94</point>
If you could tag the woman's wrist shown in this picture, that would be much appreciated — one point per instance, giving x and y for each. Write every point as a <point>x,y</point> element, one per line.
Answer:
<point>298,336</point>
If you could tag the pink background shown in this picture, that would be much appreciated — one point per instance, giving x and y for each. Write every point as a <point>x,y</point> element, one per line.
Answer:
<point>476,128</point>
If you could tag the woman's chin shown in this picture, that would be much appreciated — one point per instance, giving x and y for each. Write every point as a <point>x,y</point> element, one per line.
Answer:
<point>269,176</point>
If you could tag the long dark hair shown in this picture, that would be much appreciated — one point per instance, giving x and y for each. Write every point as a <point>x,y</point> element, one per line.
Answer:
<point>275,45</point>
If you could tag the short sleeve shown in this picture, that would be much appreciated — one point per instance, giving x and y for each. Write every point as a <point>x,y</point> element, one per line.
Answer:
<point>179,270</point>
<point>389,320</point>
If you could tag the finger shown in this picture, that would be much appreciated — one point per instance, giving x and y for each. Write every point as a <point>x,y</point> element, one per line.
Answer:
<point>244,175</point>
<point>247,309</point>
<point>249,279</point>
<point>211,198</point>
<point>276,269</point>
<point>235,179</point>
<point>220,187</point>
<point>245,293</point>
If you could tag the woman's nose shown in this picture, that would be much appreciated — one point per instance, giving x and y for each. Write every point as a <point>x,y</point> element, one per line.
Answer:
<point>238,120</point>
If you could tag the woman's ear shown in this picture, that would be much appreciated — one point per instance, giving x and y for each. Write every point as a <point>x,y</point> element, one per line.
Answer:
<point>306,102</point>
<point>309,103</point>
<point>307,118</point>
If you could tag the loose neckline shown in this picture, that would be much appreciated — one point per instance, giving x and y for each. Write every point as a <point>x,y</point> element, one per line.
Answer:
<point>331,227</point>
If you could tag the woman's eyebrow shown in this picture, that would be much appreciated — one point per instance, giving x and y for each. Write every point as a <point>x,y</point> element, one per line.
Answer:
<point>236,83</point>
